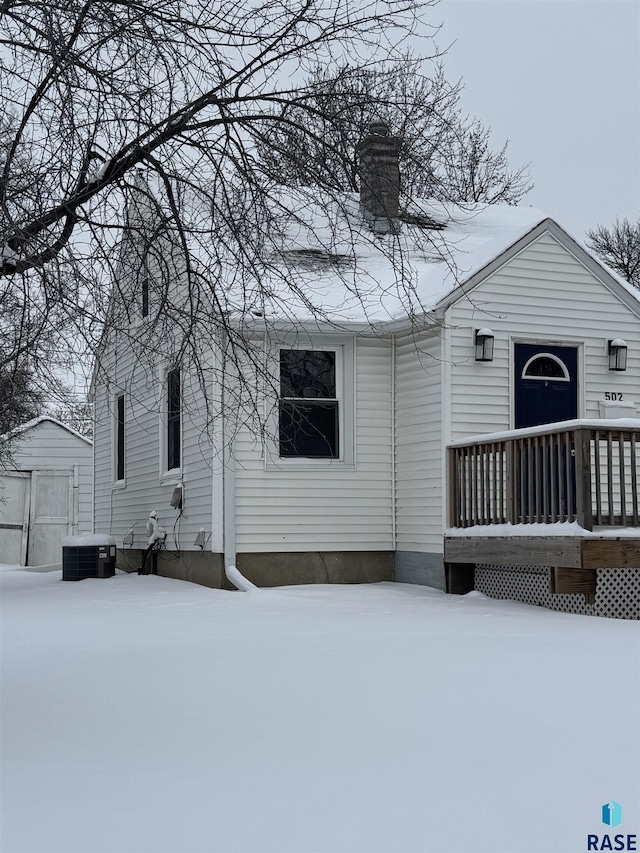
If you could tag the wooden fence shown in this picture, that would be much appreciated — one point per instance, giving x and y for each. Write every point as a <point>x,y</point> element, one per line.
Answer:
<point>579,472</point>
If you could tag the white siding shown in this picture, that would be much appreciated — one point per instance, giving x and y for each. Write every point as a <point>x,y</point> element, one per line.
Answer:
<point>119,507</point>
<point>543,294</point>
<point>48,445</point>
<point>418,439</point>
<point>332,508</point>
<point>134,361</point>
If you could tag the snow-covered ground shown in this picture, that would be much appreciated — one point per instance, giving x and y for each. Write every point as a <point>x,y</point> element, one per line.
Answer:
<point>145,714</point>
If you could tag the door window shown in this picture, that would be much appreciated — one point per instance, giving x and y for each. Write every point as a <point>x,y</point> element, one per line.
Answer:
<point>546,366</point>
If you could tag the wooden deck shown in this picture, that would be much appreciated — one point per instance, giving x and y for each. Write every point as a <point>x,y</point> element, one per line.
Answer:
<point>580,473</point>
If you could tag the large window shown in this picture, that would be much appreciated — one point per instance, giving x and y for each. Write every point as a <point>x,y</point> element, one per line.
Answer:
<point>119,442</point>
<point>173,418</point>
<point>308,413</point>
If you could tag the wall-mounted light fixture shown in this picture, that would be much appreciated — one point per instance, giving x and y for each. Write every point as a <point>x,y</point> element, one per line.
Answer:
<point>484,339</point>
<point>617,354</point>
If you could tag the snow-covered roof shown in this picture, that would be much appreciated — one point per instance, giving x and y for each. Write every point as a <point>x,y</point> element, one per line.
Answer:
<point>28,425</point>
<point>329,257</point>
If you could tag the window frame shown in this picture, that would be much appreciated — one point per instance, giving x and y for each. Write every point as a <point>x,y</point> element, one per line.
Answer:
<point>167,472</point>
<point>344,349</point>
<point>139,306</point>
<point>144,294</point>
<point>294,403</point>
<point>174,419</point>
<point>565,373</point>
<point>118,439</point>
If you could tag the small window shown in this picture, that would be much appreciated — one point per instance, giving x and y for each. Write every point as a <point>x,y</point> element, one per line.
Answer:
<point>144,296</point>
<point>173,418</point>
<point>545,366</point>
<point>120,437</point>
<point>308,415</point>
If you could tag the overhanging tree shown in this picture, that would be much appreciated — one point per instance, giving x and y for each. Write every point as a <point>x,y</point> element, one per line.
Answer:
<point>93,90</point>
<point>28,339</point>
<point>20,399</point>
<point>619,247</point>
<point>443,154</point>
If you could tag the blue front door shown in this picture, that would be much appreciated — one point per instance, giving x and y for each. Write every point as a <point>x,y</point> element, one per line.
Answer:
<point>546,384</point>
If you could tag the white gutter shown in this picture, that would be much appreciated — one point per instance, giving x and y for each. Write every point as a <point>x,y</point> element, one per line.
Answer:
<point>429,320</point>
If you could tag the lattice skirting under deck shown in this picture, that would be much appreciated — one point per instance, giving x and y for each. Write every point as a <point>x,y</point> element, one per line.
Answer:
<point>617,590</point>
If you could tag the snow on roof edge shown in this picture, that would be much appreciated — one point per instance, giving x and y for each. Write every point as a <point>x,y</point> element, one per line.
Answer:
<point>34,422</point>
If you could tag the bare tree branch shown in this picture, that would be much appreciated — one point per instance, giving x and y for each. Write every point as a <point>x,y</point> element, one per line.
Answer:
<point>619,248</point>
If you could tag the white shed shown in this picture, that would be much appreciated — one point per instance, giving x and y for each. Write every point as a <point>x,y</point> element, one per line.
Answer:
<point>45,492</point>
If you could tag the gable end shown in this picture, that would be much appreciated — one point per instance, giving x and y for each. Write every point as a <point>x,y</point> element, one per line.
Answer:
<point>621,290</point>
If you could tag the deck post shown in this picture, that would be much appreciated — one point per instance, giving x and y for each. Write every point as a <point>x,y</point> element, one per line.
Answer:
<point>459,577</point>
<point>511,481</point>
<point>584,509</point>
<point>574,581</point>
<point>454,514</point>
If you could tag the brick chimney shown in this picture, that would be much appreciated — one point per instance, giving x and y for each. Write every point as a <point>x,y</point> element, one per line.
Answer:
<point>380,179</point>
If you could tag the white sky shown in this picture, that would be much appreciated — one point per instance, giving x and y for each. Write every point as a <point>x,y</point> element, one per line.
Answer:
<point>561,80</point>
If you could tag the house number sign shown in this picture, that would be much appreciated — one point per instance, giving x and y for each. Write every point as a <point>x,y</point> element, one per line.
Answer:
<point>612,395</point>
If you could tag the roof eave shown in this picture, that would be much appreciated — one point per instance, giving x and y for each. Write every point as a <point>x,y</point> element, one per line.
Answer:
<point>28,425</point>
<point>572,246</point>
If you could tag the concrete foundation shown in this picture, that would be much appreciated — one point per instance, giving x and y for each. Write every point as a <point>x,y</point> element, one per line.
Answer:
<point>198,567</point>
<point>267,569</point>
<point>276,569</point>
<point>416,567</point>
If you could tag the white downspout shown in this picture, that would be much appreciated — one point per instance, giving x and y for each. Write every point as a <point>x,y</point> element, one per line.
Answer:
<point>445,415</point>
<point>229,493</point>
<point>228,464</point>
<point>394,535</point>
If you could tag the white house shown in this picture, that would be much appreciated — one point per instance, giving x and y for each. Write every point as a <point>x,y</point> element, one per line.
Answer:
<point>45,492</point>
<point>437,323</point>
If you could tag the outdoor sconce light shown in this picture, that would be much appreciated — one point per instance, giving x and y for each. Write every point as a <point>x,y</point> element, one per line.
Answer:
<point>617,354</point>
<point>484,345</point>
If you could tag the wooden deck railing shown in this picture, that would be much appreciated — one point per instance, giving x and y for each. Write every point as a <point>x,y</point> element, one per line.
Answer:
<point>584,471</point>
